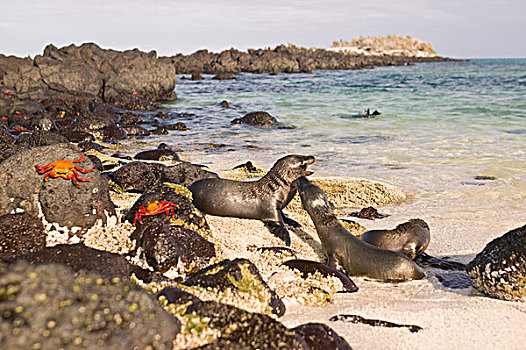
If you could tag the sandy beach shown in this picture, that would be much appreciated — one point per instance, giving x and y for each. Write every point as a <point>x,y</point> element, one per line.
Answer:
<point>456,317</point>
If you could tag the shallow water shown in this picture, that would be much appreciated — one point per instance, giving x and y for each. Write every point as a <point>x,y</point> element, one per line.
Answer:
<point>442,124</point>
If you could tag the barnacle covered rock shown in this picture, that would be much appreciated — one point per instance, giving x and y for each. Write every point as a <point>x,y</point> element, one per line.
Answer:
<point>48,307</point>
<point>499,271</point>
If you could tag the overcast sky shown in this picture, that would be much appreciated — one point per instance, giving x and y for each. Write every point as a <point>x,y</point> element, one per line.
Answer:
<point>456,28</point>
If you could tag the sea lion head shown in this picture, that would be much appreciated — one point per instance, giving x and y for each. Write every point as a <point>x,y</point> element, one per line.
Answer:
<point>292,167</point>
<point>314,199</point>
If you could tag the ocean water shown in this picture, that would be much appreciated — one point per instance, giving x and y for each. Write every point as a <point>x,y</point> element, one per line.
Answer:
<point>452,134</point>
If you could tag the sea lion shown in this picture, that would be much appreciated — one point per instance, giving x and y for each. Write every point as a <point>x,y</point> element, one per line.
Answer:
<point>263,199</point>
<point>357,257</point>
<point>410,238</point>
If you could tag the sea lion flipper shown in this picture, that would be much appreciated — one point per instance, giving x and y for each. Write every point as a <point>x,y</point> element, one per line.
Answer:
<point>331,261</point>
<point>279,230</point>
<point>289,221</point>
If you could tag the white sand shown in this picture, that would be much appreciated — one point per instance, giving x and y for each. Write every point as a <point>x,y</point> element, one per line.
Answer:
<point>450,318</point>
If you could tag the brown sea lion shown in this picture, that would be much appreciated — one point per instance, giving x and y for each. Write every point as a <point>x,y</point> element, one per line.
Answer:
<point>263,199</point>
<point>410,238</point>
<point>357,257</point>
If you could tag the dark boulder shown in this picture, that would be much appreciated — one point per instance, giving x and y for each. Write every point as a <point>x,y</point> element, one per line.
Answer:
<point>97,163</point>
<point>9,145</point>
<point>236,328</point>
<point>157,154</point>
<point>130,119</point>
<point>134,176</point>
<point>113,133</point>
<point>179,126</point>
<point>224,76</point>
<point>90,121</point>
<point>20,234</point>
<point>165,246</point>
<point>233,274</point>
<point>135,130</point>
<point>48,307</point>
<point>499,270</point>
<point>319,336</point>
<point>89,145</point>
<point>160,130</point>
<point>77,136</point>
<point>196,76</point>
<point>185,213</point>
<point>43,138</point>
<point>167,232</point>
<point>257,118</point>
<point>78,257</point>
<point>60,200</point>
<point>369,213</point>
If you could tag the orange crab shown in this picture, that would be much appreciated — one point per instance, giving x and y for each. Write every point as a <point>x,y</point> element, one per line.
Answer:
<point>153,208</point>
<point>64,169</point>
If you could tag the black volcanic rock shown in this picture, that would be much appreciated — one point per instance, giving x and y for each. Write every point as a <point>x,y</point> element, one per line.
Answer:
<point>134,176</point>
<point>224,76</point>
<point>321,337</point>
<point>60,200</point>
<point>131,79</point>
<point>288,59</point>
<point>165,246</point>
<point>231,274</point>
<point>20,234</point>
<point>50,306</point>
<point>257,118</point>
<point>499,270</point>
<point>237,329</point>
<point>157,154</point>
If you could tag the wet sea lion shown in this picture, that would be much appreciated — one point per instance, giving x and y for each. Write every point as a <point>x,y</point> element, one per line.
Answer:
<point>357,257</point>
<point>263,199</point>
<point>410,238</point>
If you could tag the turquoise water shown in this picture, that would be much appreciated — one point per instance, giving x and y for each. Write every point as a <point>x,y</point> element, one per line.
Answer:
<point>442,124</point>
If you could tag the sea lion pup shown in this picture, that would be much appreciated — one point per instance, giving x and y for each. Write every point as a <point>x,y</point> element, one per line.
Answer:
<point>262,199</point>
<point>357,257</point>
<point>410,238</point>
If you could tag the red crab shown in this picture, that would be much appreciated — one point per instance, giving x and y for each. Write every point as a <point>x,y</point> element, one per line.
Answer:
<point>64,169</point>
<point>153,208</point>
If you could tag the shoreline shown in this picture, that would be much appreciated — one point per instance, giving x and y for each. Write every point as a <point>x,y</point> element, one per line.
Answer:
<point>43,109</point>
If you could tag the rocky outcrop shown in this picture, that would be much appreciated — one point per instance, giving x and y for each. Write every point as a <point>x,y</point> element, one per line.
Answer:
<point>61,201</point>
<point>238,275</point>
<point>287,59</point>
<point>233,328</point>
<point>48,307</point>
<point>499,271</point>
<point>131,79</point>
<point>257,118</point>
<point>169,232</point>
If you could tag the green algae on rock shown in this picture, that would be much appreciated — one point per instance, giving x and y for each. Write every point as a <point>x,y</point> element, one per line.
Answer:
<point>217,326</point>
<point>48,307</point>
<point>238,282</point>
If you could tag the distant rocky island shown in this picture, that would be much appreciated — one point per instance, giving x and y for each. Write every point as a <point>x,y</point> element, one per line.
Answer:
<point>390,51</point>
<point>391,45</point>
